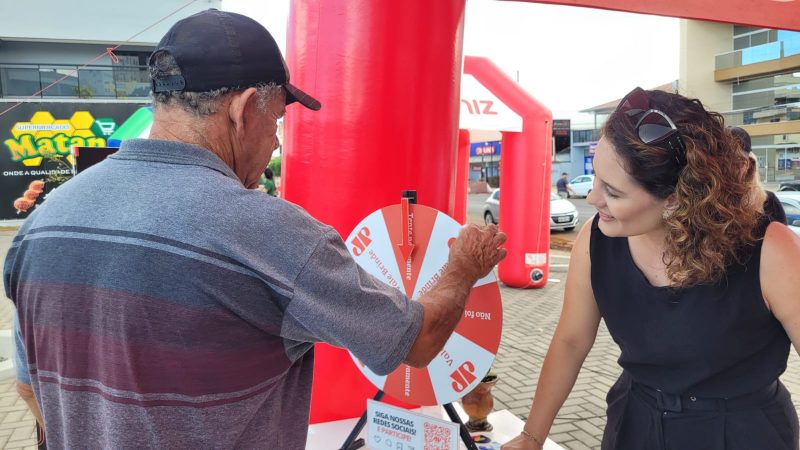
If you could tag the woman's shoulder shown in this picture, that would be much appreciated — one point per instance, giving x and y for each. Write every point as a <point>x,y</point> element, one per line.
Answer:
<point>780,278</point>
<point>780,254</point>
<point>780,242</point>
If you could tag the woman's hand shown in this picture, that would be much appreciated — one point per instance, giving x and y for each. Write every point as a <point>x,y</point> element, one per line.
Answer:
<point>521,442</point>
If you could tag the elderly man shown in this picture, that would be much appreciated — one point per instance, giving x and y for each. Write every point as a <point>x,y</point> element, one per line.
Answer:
<point>164,303</point>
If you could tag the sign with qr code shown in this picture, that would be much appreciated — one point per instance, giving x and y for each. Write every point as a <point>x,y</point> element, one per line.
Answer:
<point>391,428</point>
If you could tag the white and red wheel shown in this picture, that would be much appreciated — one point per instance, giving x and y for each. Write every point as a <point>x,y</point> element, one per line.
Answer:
<point>468,354</point>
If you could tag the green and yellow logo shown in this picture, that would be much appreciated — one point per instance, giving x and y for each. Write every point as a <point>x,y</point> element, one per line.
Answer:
<point>43,135</point>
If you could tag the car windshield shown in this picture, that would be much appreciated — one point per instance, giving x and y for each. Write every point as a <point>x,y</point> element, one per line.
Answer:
<point>554,197</point>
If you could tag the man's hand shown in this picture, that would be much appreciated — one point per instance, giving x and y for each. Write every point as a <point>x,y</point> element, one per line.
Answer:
<point>472,255</point>
<point>476,251</point>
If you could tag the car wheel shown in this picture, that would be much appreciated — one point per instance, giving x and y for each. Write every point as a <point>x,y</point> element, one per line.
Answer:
<point>488,219</point>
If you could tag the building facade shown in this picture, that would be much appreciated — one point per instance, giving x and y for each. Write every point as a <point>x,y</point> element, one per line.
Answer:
<point>752,76</point>
<point>61,86</point>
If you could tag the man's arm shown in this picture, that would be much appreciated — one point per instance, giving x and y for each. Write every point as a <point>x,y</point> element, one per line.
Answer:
<point>337,302</point>
<point>472,256</point>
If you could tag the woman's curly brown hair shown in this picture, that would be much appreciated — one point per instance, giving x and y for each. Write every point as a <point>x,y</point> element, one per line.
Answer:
<point>716,213</point>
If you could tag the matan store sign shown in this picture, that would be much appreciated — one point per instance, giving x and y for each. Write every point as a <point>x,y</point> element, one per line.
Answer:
<point>481,110</point>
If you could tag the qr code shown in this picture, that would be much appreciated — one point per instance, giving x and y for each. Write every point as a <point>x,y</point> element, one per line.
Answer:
<point>436,437</point>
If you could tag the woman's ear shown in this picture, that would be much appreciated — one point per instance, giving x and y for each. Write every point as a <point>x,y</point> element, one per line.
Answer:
<point>670,205</point>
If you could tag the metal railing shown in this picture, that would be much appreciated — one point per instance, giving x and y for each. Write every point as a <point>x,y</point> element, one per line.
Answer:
<point>104,82</point>
<point>759,53</point>
<point>765,114</point>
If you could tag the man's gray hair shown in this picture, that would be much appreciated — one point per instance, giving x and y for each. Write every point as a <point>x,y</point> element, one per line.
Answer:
<point>200,103</point>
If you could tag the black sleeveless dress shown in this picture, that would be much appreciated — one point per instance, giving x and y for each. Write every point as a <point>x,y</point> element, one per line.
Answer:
<point>700,365</point>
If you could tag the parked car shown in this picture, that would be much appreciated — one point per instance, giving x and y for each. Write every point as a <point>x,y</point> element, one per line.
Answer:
<point>790,200</point>
<point>790,186</point>
<point>582,185</point>
<point>563,214</point>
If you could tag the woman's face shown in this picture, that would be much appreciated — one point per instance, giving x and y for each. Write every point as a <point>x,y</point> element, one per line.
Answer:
<point>625,208</point>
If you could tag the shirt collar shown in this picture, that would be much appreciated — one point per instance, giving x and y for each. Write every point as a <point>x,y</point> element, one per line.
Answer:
<point>172,152</point>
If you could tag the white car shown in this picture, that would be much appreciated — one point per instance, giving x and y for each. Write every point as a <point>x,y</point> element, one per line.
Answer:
<point>790,200</point>
<point>582,185</point>
<point>563,214</point>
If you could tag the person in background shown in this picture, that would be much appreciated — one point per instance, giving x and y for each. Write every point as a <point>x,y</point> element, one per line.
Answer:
<point>267,183</point>
<point>691,279</point>
<point>772,206</point>
<point>562,186</point>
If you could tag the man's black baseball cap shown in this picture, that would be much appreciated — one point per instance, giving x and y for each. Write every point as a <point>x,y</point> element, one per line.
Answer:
<point>218,49</point>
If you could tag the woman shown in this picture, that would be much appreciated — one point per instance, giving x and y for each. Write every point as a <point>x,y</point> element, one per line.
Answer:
<point>695,284</point>
<point>772,206</point>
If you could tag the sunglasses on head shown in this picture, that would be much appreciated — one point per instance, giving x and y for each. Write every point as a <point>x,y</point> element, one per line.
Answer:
<point>653,127</point>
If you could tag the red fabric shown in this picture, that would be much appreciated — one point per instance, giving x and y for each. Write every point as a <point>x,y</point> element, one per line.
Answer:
<point>462,177</point>
<point>779,14</point>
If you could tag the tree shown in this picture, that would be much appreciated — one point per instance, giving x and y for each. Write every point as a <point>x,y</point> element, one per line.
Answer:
<point>275,166</point>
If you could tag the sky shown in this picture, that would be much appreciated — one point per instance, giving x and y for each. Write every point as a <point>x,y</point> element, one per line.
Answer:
<point>568,58</point>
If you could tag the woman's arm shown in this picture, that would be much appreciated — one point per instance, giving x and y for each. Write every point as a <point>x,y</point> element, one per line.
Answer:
<point>780,278</point>
<point>572,340</point>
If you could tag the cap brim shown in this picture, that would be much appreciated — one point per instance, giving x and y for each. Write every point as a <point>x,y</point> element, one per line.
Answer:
<point>294,94</point>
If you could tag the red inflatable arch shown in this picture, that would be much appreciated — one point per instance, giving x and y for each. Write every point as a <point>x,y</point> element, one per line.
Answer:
<point>524,178</point>
<point>388,75</point>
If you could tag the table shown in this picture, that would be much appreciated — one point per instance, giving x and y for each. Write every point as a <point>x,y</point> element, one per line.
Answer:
<point>331,435</point>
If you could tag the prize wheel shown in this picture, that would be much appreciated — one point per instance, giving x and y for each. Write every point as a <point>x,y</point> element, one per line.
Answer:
<point>379,244</point>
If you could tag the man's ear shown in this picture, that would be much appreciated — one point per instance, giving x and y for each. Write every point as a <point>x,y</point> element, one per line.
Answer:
<point>239,106</point>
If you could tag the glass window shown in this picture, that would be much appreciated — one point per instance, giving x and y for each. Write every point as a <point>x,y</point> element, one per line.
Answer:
<point>752,85</point>
<point>754,100</point>
<point>759,38</point>
<point>67,78</point>
<point>554,197</point>
<point>96,83</point>
<point>741,42</point>
<point>791,42</point>
<point>741,29</point>
<point>19,81</point>
<point>496,195</point>
<point>761,53</point>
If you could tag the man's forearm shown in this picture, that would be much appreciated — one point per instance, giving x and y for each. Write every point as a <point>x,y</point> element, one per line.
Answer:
<point>443,307</point>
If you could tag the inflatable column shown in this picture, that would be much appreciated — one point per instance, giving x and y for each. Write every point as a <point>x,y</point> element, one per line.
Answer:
<point>462,177</point>
<point>388,76</point>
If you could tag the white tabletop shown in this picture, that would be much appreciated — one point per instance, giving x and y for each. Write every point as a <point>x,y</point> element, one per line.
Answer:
<point>331,435</point>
